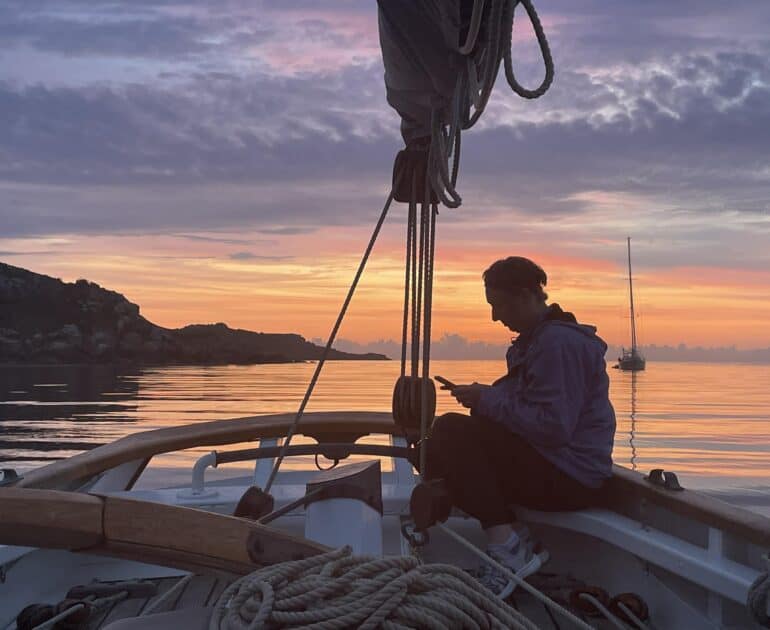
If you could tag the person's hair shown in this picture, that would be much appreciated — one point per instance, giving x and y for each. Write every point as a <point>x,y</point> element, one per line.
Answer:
<point>514,274</point>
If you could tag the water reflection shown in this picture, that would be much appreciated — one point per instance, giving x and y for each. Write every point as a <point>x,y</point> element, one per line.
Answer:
<point>709,423</point>
<point>632,432</point>
<point>50,412</point>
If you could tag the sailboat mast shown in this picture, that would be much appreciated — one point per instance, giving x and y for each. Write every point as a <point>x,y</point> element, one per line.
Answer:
<point>631,295</point>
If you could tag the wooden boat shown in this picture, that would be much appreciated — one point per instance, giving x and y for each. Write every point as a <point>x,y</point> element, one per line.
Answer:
<point>80,531</point>
<point>691,558</point>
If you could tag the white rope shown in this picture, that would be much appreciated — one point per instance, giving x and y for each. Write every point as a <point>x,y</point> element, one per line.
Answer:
<point>547,601</point>
<point>94,604</point>
<point>61,616</point>
<point>338,590</point>
<point>630,614</point>
<point>603,610</point>
<point>165,597</point>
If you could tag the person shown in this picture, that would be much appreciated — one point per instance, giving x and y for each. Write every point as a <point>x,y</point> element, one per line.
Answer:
<point>541,436</point>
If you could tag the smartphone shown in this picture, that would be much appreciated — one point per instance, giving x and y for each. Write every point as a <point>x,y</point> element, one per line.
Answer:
<point>445,382</point>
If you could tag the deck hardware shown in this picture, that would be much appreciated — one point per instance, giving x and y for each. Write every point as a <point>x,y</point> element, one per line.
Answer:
<point>758,600</point>
<point>254,504</point>
<point>430,503</point>
<point>665,479</point>
<point>407,405</point>
<point>254,547</point>
<point>10,477</point>
<point>414,537</point>
<point>623,603</point>
<point>330,450</point>
<point>197,489</point>
<point>360,481</point>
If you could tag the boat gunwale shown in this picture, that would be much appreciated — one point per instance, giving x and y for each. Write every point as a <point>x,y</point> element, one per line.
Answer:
<point>626,486</point>
<point>62,474</point>
<point>175,536</point>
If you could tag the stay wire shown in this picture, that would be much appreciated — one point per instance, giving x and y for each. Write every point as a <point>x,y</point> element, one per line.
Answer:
<point>409,223</point>
<point>414,348</point>
<point>330,341</point>
<point>429,266</point>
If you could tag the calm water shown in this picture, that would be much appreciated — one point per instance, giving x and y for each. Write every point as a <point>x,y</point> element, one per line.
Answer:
<point>709,423</point>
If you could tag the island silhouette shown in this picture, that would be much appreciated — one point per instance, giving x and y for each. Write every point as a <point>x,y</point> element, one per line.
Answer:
<point>48,321</point>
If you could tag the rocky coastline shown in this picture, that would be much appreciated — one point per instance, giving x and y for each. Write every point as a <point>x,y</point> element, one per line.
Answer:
<point>46,321</point>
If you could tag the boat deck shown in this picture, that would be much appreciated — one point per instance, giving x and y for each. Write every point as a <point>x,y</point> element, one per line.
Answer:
<point>201,590</point>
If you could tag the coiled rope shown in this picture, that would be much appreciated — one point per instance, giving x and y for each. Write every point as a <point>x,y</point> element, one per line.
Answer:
<point>338,590</point>
<point>484,53</point>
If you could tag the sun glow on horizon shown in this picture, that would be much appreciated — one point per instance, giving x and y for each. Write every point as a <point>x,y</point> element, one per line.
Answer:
<point>297,283</point>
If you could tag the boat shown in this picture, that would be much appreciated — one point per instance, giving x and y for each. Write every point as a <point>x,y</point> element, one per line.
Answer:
<point>631,359</point>
<point>77,530</point>
<point>361,543</point>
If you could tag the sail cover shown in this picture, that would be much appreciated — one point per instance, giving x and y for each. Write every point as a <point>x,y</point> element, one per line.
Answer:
<point>420,41</point>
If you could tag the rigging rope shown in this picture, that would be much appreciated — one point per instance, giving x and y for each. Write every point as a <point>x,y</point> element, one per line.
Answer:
<point>484,52</point>
<point>544,599</point>
<point>474,86</point>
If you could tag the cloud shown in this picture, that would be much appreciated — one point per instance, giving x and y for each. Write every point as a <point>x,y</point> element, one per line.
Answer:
<point>272,116</point>
<point>452,346</point>
<point>250,256</point>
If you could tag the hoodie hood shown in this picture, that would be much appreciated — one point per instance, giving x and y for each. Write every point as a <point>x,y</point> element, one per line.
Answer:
<point>554,317</point>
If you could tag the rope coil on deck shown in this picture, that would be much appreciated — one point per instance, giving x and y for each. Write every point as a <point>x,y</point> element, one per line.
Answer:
<point>339,590</point>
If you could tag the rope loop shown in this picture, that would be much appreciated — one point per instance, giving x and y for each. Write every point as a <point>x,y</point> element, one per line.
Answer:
<point>545,51</point>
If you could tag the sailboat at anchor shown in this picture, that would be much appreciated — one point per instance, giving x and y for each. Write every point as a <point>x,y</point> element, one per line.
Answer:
<point>631,359</point>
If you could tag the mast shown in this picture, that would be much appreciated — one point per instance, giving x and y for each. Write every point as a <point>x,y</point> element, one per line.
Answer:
<point>631,295</point>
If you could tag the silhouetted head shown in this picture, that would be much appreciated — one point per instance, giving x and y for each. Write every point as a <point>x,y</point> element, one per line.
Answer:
<point>514,288</point>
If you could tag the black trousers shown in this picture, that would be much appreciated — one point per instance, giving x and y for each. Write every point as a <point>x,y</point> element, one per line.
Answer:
<point>487,468</point>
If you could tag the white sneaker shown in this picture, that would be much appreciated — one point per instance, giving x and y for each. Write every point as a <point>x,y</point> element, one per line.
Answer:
<point>519,559</point>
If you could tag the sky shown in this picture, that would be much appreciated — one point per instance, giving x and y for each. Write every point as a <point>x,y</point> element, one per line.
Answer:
<point>226,162</point>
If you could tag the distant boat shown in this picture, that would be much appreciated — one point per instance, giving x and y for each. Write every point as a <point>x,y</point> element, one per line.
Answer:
<point>631,360</point>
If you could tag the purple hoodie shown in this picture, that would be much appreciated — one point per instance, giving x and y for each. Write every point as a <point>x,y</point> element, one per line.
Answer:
<point>555,396</point>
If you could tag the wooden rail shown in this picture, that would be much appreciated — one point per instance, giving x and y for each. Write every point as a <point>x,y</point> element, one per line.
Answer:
<point>153,533</point>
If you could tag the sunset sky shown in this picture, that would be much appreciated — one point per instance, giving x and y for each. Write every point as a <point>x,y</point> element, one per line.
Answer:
<point>226,161</point>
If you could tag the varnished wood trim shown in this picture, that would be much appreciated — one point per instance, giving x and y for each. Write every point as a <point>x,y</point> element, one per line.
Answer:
<point>153,533</point>
<point>62,519</point>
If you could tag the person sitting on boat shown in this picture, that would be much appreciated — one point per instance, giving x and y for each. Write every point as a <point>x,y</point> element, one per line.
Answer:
<point>542,435</point>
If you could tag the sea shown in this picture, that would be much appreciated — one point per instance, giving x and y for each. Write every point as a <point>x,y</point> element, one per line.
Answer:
<point>709,423</point>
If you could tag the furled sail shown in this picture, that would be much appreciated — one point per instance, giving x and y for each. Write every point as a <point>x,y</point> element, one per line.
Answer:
<point>441,60</point>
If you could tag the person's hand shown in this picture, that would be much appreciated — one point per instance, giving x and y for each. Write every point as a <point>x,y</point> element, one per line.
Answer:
<point>468,395</point>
